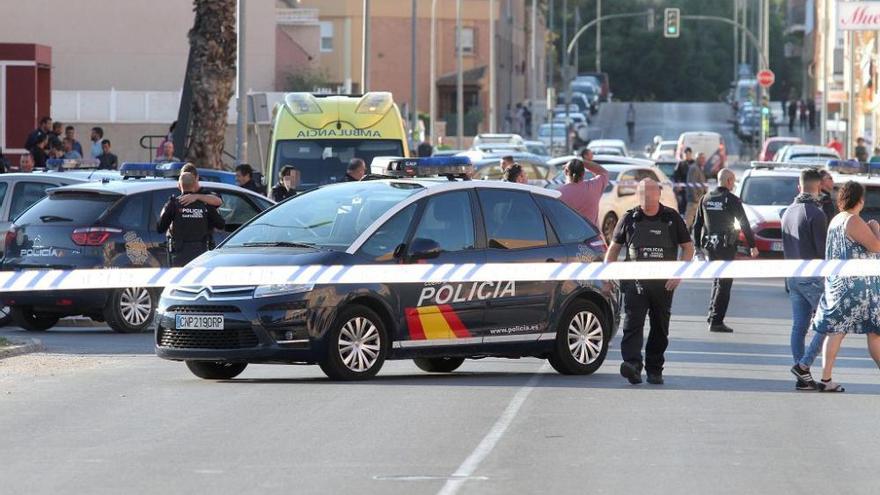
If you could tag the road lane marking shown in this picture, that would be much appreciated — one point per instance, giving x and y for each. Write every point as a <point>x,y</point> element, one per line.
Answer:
<point>757,354</point>
<point>488,443</point>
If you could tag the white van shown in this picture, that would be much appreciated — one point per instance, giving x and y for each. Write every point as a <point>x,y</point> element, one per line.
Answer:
<point>709,143</point>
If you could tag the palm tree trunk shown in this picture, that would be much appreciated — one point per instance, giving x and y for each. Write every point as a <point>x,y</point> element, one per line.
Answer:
<point>212,76</point>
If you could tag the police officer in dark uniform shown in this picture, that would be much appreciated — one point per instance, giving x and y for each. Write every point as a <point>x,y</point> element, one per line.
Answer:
<point>189,227</point>
<point>716,232</point>
<point>649,232</point>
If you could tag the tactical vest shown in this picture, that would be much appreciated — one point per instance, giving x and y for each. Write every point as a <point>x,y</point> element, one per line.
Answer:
<point>652,239</point>
<point>720,231</point>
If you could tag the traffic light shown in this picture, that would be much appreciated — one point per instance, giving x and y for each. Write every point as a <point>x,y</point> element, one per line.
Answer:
<point>672,23</point>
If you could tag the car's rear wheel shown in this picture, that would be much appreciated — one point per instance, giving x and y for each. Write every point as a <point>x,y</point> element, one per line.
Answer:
<point>608,224</point>
<point>215,370</point>
<point>439,365</point>
<point>356,345</point>
<point>5,315</point>
<point>130,310</point>
<point>25,317</point>
<point>581,340</point>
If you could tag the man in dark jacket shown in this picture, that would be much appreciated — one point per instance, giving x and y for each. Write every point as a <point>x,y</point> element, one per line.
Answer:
<point>244,176</point>
<point>679,176</point>
<point>804,231</point>
<point>715,231</point>
<point>826,190</point>
<point>190,228</point>
<point>288,179</point>
<point>356,170</point>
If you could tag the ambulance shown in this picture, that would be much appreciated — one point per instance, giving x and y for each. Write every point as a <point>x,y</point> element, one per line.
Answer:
<point>318,134</point>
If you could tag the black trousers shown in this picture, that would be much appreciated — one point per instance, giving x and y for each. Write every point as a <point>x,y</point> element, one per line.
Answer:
<point>649,298</point>
<point>720,298</point>
<point>186,252</point>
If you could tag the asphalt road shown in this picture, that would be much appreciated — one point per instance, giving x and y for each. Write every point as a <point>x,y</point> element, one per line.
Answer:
<point>98,413</point>
<point>667,120</point>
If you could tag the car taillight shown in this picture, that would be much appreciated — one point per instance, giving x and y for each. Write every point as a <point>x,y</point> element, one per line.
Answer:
<point>92,236</point>
<point>10,238</point>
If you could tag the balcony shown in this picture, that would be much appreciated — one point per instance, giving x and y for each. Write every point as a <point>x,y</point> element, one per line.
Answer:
<point>296,17</point>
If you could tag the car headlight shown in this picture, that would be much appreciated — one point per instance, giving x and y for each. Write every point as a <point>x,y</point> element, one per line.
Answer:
<point>281,289</point>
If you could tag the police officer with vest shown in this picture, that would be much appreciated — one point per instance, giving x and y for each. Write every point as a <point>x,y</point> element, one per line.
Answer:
<point>190,227</point>
<point>716,232</point>
<point>649,232</point>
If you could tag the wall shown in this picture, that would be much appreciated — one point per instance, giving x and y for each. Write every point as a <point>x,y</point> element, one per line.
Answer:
<point>129,45</point>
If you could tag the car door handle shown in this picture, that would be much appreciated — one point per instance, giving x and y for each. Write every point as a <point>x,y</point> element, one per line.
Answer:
<point>550,260</point>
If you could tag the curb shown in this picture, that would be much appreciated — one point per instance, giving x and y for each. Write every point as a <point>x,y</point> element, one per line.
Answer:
<point>33,346</point>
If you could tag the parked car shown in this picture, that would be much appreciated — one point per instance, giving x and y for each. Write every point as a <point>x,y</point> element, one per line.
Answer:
<point>766,192</point>
<point>774,144</point>
<point>554,136</point>
<point>608,147</point>
<point>538,148</point>
<point>103,225</point>
<point>496,138</point>
<point>537,171</point>
<point>808,152</point>
<point>664,151</point>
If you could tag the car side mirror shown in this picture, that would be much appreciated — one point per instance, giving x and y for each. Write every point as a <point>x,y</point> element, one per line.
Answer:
<point>424,249</point>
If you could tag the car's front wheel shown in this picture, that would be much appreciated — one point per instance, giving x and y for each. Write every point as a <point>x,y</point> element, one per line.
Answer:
<point>130,310</point>
<point>24,317</point>
<point>439,365</point>
<point>608,224</point>
<point>356,345</point>
<point>581,340</point>
<point>215,370</point>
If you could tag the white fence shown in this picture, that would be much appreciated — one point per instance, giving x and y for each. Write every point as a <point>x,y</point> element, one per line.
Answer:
<point>127,107</point>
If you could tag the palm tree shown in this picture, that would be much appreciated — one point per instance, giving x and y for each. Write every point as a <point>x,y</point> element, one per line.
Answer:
<point>212,76</point>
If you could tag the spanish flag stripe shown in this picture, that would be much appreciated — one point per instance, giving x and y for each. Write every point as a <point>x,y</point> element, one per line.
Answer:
<point>455,324</point>
<point>433,323</point>
<point>414,324</point>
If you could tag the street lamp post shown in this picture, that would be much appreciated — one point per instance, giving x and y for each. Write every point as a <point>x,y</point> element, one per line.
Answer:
<point>365,53</point>
<point>459,80</point>
<point>241,121</point>
<point>432,93</point>
<point>492,96</point>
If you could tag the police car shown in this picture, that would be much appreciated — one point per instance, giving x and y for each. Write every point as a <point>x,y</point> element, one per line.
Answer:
<point>766,189</point>
<point>107,224</point>
<point>400,218</point>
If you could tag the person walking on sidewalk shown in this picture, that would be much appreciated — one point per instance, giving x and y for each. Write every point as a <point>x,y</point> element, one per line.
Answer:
<point>649,232</point>
<point>631,122</point>
<point>803,238</point>
<point>695,190</point>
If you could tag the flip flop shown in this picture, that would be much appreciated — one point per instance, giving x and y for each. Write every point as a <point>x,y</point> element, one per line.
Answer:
<point>830,386</point>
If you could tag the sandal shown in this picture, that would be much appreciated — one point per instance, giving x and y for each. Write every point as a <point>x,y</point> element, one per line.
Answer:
<point>830,386</point>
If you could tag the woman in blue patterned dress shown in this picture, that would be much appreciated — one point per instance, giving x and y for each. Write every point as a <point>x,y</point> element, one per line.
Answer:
<point>849,304</point>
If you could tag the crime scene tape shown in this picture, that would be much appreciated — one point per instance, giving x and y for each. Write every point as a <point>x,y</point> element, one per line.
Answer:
<point>48,280</point>
<point>693,185</point>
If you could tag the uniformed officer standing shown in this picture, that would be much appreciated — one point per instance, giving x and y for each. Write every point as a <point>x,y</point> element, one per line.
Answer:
<point>650,232</point>
<point>189,227</point>
<point>715,231</point>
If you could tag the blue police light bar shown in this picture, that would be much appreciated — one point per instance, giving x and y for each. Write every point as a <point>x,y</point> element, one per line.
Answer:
<point>432,166</point>
<point>844,166</point>
<point>137,170</point>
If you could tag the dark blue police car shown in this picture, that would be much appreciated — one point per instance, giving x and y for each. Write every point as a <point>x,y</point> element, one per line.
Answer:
<point>351,329</point>
<point>106,224</point>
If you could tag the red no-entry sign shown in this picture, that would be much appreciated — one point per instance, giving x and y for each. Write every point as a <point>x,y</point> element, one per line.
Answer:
<point>766,78</point>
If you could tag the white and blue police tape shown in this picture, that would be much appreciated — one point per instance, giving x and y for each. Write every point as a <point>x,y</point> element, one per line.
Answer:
<point>45,280</point>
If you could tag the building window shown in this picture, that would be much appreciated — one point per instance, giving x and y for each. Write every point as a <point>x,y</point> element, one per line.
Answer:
<point>326,36</point>
<point>467,41</point>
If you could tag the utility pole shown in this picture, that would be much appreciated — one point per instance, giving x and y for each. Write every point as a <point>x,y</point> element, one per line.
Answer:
<point>765,50</point>
<point>851,97</point>
<point>577,48</point>
<point>493,103</point>
<point>414,99</point>
<point>735,38</point>
<point>599,36</point>
<point>241,122</point>
<point>432,111</point>
<point>459,83</point>
<point>566,79</point>
<point>743,52</point>
<point>533,67</point>
<point>825,33</point>
<point>365,53</point>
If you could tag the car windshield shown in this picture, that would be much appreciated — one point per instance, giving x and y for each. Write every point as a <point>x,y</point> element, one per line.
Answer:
<point>324,161</point>
<point>774,190</point>
<point>537,149</point>
<point>68,207</point>
<point>331,217</point>
<point>774,146</point>
<point>871,211</point>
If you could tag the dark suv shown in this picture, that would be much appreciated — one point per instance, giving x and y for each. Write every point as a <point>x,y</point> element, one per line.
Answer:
<point>110,224</point>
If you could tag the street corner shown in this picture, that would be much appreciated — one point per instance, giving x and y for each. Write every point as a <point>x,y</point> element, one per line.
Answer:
<point>17,347</point>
